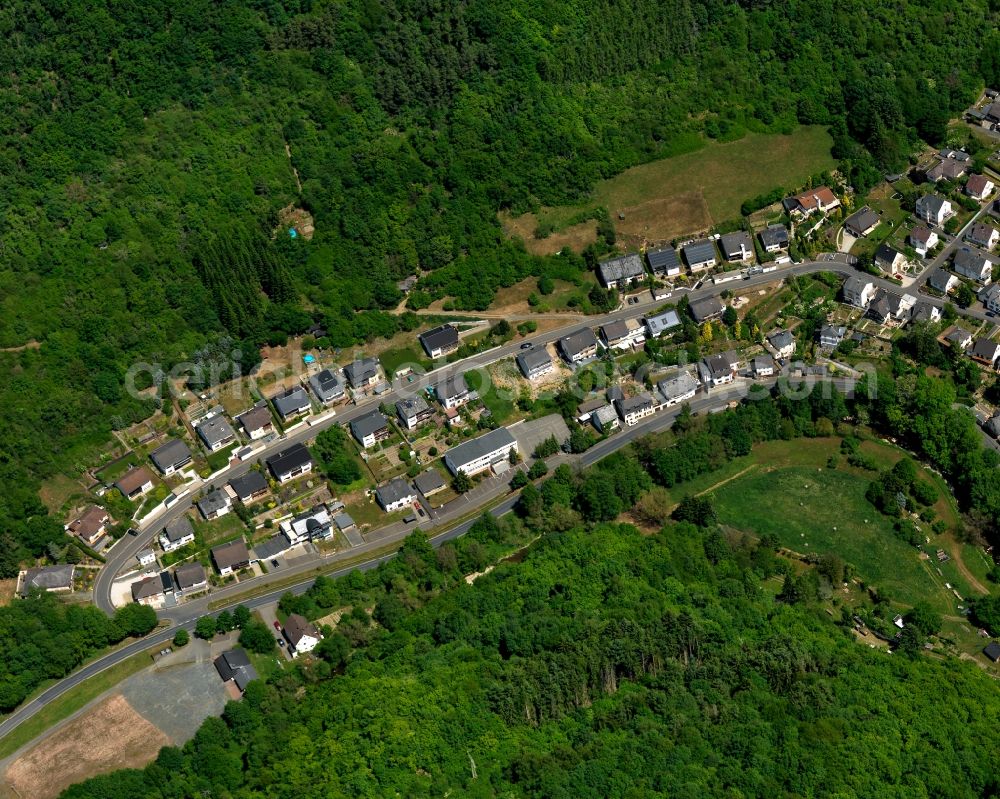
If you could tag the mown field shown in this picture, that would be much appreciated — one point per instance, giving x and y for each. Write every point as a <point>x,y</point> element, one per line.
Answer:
<point>686,193</point>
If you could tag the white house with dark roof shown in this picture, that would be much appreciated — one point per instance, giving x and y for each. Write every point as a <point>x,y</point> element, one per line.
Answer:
<point>413,411</point>
<point>395,495</point>
<point>700,255</point>
<point>579,346</point>
<point>923,239</point>
<point>933,210</point>
<point>762,366</point>
<point>716,370</point>
<point>831,335</point>
<point>664,261</point>
<point>535,363</point>
<point>171,456</point>
<point>621,272</point>
<point>439,341</point>
<point>973,264</point>
<point>925,312</point>
<point>623,335</point>
<point>215,504</point>
<point>315,524</point>
<point>290,463</point>
<point>858,291</point>
<point>990,297</point>
<point>52,579</point>
<point>983,235</point>
<point>327,386</point>
<point>248,487</point>
<point>677,389</point>
<point>257,422</point>
<point>862,222</point>
<point>979,187</point>
<point>302,635</point>
<point>942,280</point>
<point>177,534</point>
<point>481,453</point>
<point>889,259</point>
<point>190,578</point>
<point>662,323</point>
<point>370,429</point>
<point>215,432</point>
<point>782,343</point>
<point>706,308</point>
<point>774,238</point>
<point>985,351</point>
<point>135,482</point>
<point>959,337</point>
<point>291,402</point>
<point>429,482</point>
<point>737,247</point>
<point>363,373</point>
<point>454,392</point>
<point>633,410</point>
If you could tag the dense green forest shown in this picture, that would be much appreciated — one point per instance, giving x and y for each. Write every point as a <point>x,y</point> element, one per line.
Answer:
<point>599,662</point>
<point>143,161</point>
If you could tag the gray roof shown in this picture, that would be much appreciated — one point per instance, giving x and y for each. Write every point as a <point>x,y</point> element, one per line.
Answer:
<point>453,386</point>
<point>48,578</point>
<point>443,337</point>
<point>855,284</point>
<point>833,331</point>
<point>774,235</point>
<point>663,259</point>
<point>147,587</point>
<point>429,481</point>
<point>940,278</point>
<point>189,575</point>
<point>970,259</point>
<point>677,386</point>
<point>763,362</point>
<point>369,423</point>
<point>981,232</point>
<point>985,349</point>
<point>662,322</point>
<point>232,554</point>
<point>411,406</point>
<point>923,312</point>
<point>781,339</point>
<point>243,677</point>
<point>636,403</point>
<point>625,267</point>
<point>886,253</point>
<point>294,400</point>
<point>288,460</point>
<point>731,243</point>
<point>213,502</point>
<point>706,308</point>
<point>178,529</point>
<point>530,360</point>
<point>173,454</point>
<point>327,385</point>
<point>249,484</point>
<point>296,627</point>
<point>717,364</point>
<point>478,447</point>
<point>361,371</point>
<point>862,219</point>
<point>274,545</point>
<point>931,203</point>
<point>394,491</point>
<point>613,331</point>
<point>578,341</point>
<point>698,252</point>
<point>958,155</point>
<point>215,430</point>
<point>959,334</point>
<point>343,521</point>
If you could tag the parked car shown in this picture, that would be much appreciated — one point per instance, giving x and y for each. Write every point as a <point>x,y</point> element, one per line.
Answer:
<point>527,345</point>
<point>281,642</point>
<point>274,562</point>
<point>277,625</point>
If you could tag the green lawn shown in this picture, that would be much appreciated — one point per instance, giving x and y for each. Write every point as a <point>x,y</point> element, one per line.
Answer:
<point>500,405</point>
<point>112,472</point>
<point>392,360</point>
<point>71,701</point>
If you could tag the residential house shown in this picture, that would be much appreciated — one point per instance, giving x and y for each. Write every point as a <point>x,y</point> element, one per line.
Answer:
<point>831,335</point>
<point>579,346</point>
<point>986,236</point>
<point>327,386</point>
<point>783,343</point>
<point>216,433</point>
<point>933,210</point>
<point>900,305</point>
<point>135,482</point>
<point>923,240</point>
<point>585,409</point>
<point>301,635</point>
<point>664,261</point>
<point>481,453</point>
<point>957,155</point>
<point>52,579</point>
<point>623,335</point>
<point>634,409</point>
<point>395,495</point>
<point>291,403</point>
<point>170,457</point>
<point>878,309</point>
<point>862,222</point>
<point>942,280</point>
<point>990,297</point>
<point>315,524</point>
<point>290,463</point>
<point>925,312</point>
<point>973,264</point>
<point>677,389</point>
<point>661,323</point>
<point>454,392</point>
<point>947,169</point>
<point>774,238</point>
<point>344,522</point>
<point>762,366</point>
<point>979,187</point>
<point>991,113</point>
<point>992,649</point>
<point>807,202</point>
<point>271,547</point>
<point>737,247</point>
<point>234,666</point>
<point>430,482</point>
<point>535,363</point>
<point>440,341</point>
<point>700,255</point>
<point>363,374</point>
<point>985,351</point>
<point>959,337</point>
<point>706,308</point>
<point>149,591</point>
<point>146,557</point>
<point>257,422</point>
<point>716,370</point>
<point>90,526</point>
<point>215,504</point>
<point>413,411</point>
<point>889,259</point>
<point>858,291</point>
<point>176,534</point>
<point>251,486</point>
<point>621,272</point>
<point>605,419</point>
<point>231,557</point>
<point>190,578</point>
<point>370,429</point>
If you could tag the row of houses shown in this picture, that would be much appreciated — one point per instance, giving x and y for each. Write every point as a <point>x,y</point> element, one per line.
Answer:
<point>885,306</point>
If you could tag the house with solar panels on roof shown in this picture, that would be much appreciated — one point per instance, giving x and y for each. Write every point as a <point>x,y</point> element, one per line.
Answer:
<point>664,261</point>
<point>621,272</point>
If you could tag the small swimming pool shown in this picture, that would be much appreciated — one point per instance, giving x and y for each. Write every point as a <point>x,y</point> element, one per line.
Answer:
<point>308,358</point>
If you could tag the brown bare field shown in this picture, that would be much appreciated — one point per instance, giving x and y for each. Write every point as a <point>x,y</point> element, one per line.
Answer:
<point>576,237</point>
<point>110,736</point>
<point>58,490</point>
<point>7,588</point>
<point>660,220</point>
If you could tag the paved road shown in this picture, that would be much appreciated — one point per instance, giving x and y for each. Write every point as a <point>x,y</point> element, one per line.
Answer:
<point>123,553</point>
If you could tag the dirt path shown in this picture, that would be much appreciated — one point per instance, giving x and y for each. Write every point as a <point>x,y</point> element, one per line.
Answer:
<point>288,152</point>
<point>30,345</point>
<point>736,476</point>
<point>956,556</point>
